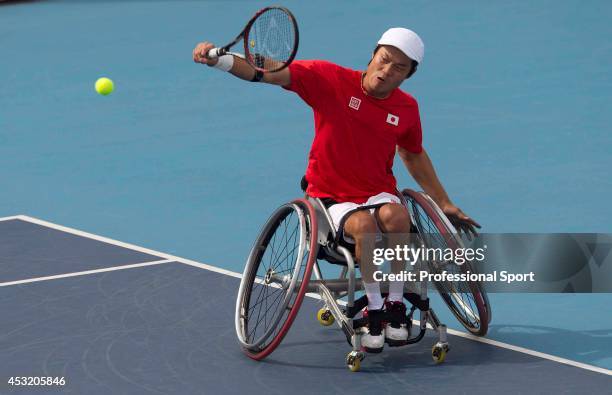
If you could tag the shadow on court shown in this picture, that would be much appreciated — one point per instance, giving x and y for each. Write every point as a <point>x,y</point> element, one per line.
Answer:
<point>13,2</point>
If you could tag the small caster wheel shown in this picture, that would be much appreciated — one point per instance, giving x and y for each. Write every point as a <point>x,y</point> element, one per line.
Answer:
<point>438,352</point>
<point>325,317</point>
<point>353,360</point>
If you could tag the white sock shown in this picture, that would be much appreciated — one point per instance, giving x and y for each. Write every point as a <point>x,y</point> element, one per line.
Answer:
<point>396,291</point>
<point>375,301</point>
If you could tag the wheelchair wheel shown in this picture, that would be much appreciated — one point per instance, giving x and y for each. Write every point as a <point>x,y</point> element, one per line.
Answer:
<point>468,300</point>
<point>275,278</point>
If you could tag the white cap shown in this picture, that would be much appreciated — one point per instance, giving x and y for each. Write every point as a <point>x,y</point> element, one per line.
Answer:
<point>406,41</point>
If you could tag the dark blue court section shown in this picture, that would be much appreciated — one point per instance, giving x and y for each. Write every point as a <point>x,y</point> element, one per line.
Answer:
<point>29,250</point>
<point>169,329</point>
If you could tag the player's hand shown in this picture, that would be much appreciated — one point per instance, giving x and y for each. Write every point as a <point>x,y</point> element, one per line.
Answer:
<point>200,51</point>
<point>461,221</point>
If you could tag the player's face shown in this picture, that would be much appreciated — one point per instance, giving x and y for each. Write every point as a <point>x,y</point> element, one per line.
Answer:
<point>387,70</point>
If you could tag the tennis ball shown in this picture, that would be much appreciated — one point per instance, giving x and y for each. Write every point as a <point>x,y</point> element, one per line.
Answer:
<point>104,86</point>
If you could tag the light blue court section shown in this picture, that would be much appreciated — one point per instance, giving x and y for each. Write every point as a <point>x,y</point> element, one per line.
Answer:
<point>184,159</point>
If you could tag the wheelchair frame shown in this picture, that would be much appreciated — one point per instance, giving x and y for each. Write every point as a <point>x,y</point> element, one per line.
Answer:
<point>314,219</point>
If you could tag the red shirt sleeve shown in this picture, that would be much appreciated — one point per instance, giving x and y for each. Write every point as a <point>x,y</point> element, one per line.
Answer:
<point>312,80</point>
<point>412,138</point>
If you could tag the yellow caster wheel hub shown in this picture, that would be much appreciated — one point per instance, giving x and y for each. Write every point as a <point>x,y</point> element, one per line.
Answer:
<point>355,366</point>
<point>325,317</point>
<point>438,353</point>
<point>353,361</point>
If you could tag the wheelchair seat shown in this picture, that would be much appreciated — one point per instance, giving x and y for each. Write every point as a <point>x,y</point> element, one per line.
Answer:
<point>329,254</point>
<point>328,244</point>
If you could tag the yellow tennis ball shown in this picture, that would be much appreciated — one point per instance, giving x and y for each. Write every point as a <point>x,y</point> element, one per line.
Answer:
<point>104,86</point>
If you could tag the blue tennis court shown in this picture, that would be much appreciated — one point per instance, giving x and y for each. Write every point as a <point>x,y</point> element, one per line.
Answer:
<point>131,320</point>
<point>188,161</point>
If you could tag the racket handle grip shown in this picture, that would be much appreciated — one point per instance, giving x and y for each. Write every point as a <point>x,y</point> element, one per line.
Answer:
<point>215,53</point>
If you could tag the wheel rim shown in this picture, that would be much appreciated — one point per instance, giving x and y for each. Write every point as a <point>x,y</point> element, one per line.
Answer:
<point>467,303</point>
<point>267,291</point>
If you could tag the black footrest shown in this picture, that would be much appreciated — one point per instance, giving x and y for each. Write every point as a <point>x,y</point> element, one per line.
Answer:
<point>359,305</point>
<point>386,317</point>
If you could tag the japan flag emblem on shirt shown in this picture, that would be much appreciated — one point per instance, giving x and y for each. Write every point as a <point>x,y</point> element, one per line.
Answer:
<point>392,119</point>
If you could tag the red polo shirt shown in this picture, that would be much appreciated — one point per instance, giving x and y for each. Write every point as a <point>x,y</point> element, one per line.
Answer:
<point>356,135</point>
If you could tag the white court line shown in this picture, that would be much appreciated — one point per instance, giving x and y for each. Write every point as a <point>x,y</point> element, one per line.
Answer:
<point>11,218</point>
<point>83,273</point>
<point>127,245</point>
<point>316,296</point>
<point>497,343</point>
<point>531,352</point>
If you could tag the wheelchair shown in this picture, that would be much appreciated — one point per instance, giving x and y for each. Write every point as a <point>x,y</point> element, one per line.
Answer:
<point>287,252</point>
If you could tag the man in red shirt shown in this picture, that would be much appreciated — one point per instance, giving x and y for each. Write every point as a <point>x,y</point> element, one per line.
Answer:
<point>361,119</point>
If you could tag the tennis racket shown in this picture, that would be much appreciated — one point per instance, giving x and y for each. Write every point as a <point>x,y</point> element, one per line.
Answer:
<point>270,40</point>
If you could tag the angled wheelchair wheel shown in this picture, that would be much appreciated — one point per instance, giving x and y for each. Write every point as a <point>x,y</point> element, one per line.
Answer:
<point>275,278</point>
<point>467,300</point>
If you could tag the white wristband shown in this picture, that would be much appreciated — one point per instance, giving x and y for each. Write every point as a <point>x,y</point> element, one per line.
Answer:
<point>224,62</point>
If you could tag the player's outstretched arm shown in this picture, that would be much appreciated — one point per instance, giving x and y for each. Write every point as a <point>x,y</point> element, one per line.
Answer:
<point>240,67</point>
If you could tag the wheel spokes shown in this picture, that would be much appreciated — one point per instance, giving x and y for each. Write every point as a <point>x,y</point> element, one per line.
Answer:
<point>276,265</point>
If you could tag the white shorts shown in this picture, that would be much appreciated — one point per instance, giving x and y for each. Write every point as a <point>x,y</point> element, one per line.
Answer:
<point>338,211</point>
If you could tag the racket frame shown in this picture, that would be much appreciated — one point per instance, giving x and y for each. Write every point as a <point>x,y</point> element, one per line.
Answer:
<point>244,34</point>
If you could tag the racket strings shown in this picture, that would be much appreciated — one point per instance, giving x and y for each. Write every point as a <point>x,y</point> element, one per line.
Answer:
<point>271,40</point>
